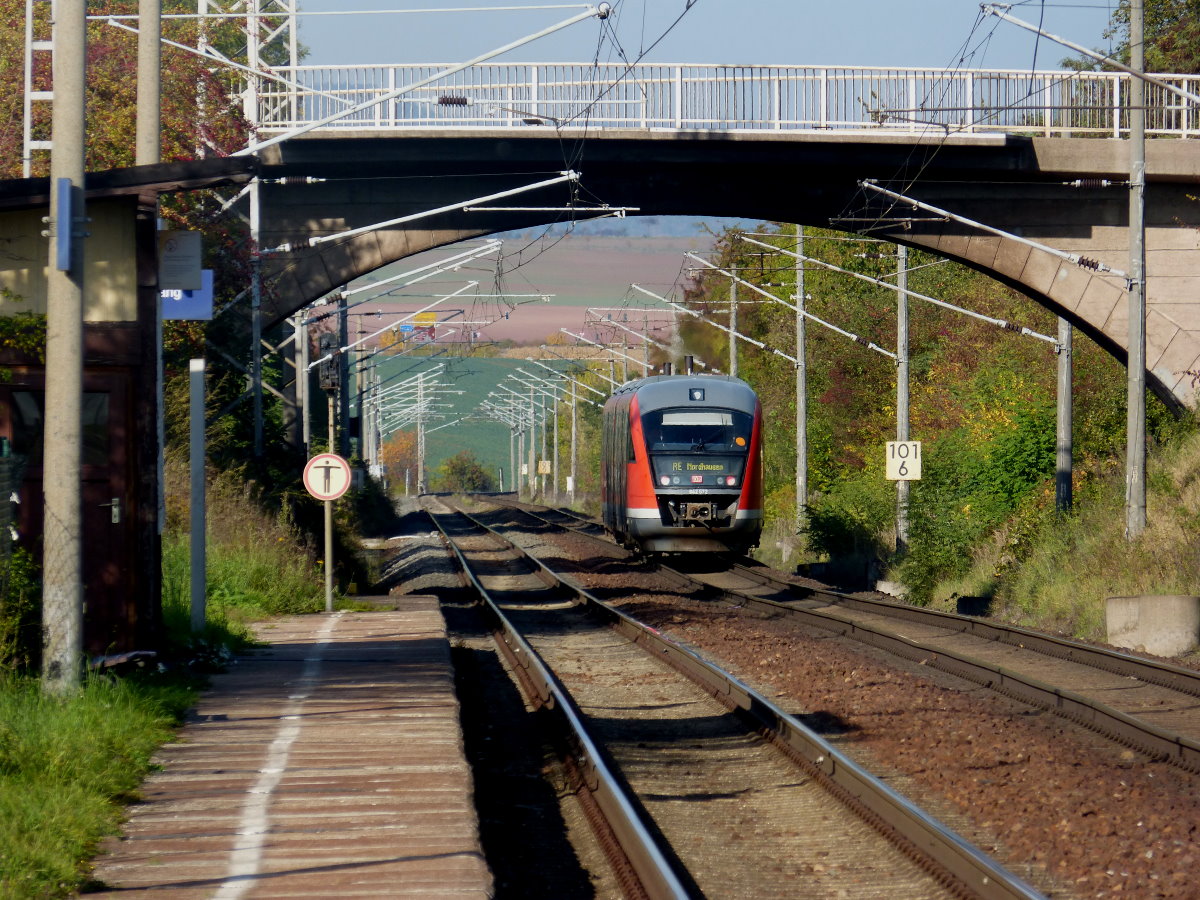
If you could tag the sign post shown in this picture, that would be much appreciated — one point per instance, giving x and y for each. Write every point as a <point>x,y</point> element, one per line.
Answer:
<point>327,477</point>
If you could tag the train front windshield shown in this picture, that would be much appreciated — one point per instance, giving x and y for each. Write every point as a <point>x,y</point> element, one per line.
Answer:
<point>695,430</point>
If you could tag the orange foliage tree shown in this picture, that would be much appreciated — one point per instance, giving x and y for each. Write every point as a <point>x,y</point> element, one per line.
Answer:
<point>399,454</point>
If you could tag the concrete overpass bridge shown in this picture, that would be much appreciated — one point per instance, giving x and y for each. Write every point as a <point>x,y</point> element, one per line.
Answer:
<point>1024,153</point>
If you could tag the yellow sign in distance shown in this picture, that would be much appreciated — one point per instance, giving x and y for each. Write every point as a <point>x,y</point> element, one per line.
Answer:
<point>425,318</point>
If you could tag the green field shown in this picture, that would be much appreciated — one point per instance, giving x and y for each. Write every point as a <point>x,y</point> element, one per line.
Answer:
<point>584,269</point>
<point>488,440</point>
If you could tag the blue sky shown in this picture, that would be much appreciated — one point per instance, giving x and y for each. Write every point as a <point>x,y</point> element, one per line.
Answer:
<point>921,33</point>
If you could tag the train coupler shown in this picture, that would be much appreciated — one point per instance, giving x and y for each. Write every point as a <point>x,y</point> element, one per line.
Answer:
<point>706,514</point>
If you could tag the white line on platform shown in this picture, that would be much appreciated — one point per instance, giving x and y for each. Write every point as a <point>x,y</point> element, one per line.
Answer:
<point>246,858</point>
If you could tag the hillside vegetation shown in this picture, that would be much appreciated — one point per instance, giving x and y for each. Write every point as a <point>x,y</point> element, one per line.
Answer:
<point>982,519</point>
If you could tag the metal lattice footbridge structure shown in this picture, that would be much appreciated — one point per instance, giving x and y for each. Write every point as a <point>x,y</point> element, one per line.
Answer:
<point>1041,155</point>
<point>726,98</point>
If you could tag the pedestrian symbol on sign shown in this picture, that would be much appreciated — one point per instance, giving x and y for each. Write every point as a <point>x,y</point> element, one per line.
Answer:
<point>327,476</point>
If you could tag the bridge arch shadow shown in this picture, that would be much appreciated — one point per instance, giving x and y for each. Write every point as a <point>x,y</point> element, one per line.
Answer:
<point>1017,184</point>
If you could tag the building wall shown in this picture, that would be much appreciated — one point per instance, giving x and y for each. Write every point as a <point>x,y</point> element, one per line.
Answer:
<point>110,265</point>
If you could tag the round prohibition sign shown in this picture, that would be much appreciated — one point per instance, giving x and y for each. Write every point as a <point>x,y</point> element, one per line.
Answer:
<point>327,476</point>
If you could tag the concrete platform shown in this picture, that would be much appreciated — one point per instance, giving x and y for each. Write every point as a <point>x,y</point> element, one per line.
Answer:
<point>329,764</point>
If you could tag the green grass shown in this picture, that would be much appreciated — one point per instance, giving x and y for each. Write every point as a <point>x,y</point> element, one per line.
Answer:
<point>67,766</point>
<point>258,564</point>
<point>1054,572</point>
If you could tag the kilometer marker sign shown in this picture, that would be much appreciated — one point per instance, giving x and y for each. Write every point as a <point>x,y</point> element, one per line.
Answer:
<point>903,460</point>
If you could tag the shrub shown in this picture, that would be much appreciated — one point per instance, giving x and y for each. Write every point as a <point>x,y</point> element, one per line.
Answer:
<point>20,612</point>
<point>851,517</point>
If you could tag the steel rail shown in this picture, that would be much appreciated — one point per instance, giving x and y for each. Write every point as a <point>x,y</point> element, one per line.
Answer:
<point>651,863</point>
<point>1113,723</point>
<point>1152,671</point>
<point>1122,727</point>
<point>958,858</point>
<point>1163,674</point>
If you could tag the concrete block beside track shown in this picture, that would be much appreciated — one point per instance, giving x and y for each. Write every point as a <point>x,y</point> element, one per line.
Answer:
<point>1161,624</point>
<point>328,764</point>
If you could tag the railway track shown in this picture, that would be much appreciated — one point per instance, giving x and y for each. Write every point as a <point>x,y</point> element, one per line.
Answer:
<point>1148,705</point>
<point>708,788</point>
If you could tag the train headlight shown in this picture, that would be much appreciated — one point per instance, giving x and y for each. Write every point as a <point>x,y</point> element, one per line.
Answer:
<point>665,480</point>
<point>730,480</point>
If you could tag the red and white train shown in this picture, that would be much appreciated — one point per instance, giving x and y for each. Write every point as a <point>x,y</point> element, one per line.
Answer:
<point>681,467</point>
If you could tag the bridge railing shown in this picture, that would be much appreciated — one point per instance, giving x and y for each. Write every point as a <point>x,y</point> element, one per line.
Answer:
<point>728,98</point>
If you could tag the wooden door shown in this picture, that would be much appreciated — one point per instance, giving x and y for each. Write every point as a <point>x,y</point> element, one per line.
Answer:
<point>109,575</point>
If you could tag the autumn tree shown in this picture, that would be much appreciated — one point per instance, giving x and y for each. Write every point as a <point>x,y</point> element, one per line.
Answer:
<point>202,116</point>
<point>201,106</point>
<point>400,453</point>
<point>1172,31</point>
<point>463,473</point>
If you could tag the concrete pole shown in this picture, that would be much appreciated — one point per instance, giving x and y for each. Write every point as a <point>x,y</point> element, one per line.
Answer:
<point>1062,474</point>
<point>1135,425</point>
<point>517,479</point>
<point>574,438</point>
<point>512,456</point>
<point>343,364</point>
<point>147,150</point>
<point>801,389</point>
<point>554,474</point>
<point>201,94</point>
<point>902,390</point>
<point>250,105</point>
<point>147,141</point>
<point>733,324</point>
<point>545,424</point>
<point>421,433</point>
<point>360,357</point>
<point>533,436</point>
<point>295,428</point>
<point>199,520</point>
<point>62,557</point>
<point>373,416</point>
<point>330,424</point>
<point>256,315</point>
<point>302,384</point>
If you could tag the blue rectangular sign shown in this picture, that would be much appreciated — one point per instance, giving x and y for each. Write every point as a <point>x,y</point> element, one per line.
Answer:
<point>64,228</point>
<point>178,304</point>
